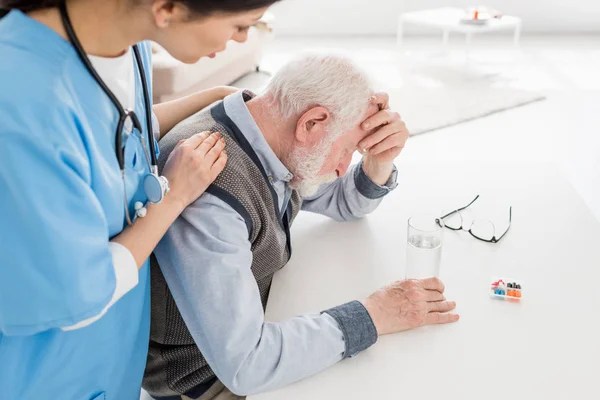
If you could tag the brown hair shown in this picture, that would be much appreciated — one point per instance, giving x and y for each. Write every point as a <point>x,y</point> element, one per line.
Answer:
<point>203,7</point>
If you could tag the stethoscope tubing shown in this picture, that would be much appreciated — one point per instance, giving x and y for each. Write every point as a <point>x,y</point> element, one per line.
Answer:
<point>123,113</point>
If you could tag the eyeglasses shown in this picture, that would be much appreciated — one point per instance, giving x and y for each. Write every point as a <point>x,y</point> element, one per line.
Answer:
<point>480,229</point>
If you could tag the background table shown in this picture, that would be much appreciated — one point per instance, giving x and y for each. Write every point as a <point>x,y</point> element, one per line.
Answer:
<point>545,347</point>
<point>448,20</point>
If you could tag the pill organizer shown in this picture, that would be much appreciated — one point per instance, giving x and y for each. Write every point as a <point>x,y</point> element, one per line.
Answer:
<point>506,289</point>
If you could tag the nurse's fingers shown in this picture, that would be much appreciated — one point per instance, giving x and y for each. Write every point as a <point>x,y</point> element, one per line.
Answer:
<point>214,153</point>
<point>219,165</point>
<point>195,140</point>
<point>209,143</point>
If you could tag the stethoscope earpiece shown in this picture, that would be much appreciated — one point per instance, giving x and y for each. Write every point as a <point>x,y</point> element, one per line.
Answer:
<point>140,210</point>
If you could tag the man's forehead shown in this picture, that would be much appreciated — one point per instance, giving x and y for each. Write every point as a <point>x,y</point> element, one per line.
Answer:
<point>355,135</point>
<point>351,137</point>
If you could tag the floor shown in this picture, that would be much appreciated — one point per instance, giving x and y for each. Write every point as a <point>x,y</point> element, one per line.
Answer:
<point>563,130</point>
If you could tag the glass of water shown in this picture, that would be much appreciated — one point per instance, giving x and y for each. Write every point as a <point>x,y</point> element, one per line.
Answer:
<point>424,249</point>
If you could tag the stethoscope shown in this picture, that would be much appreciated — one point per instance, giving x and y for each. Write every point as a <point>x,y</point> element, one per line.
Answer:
<point>155,187</point>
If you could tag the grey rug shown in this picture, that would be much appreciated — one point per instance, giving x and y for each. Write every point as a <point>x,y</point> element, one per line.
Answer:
<point>433,93</point>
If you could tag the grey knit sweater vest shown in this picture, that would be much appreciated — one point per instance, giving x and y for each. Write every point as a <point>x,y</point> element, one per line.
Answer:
<point>175,364</point>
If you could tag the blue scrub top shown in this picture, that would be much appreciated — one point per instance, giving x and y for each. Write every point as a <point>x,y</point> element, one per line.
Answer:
<point>61,200</point>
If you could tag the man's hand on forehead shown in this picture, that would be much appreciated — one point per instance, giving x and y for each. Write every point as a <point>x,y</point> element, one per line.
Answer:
<point>389,132</point>
<point>387,135</point>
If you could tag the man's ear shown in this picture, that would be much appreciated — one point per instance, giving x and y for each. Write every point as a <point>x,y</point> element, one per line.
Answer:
<point>312,125</point>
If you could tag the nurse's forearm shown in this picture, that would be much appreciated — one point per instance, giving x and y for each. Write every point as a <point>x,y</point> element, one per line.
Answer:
<point>173,112</point>
<point>142,237</point>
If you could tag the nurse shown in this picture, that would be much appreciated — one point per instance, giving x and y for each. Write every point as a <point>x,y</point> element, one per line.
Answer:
<point>81,203</point>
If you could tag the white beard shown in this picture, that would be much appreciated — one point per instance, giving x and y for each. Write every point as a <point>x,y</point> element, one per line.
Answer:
<point>309,187</point>
<point>306,165</point>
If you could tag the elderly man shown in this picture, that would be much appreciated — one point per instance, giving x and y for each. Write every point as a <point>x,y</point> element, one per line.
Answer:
<point>288,150</point>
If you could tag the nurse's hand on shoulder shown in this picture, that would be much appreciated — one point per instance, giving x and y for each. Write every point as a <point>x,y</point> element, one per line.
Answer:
<point>193,165</point>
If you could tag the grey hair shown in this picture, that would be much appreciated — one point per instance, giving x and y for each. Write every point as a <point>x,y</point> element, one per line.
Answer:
<point>332,81</point>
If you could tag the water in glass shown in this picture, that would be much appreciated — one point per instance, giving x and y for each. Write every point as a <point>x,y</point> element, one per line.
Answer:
<point>423,256</point>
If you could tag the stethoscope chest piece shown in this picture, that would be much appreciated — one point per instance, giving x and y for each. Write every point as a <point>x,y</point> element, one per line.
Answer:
<point>156,187</point>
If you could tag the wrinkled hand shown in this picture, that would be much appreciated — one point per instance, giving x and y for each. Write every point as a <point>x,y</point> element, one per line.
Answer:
<point>193,165</point>
<point>409,304</point>
<point>386,142</point>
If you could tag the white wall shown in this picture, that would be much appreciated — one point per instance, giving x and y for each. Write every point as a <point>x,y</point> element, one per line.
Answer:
<point>378,17</point>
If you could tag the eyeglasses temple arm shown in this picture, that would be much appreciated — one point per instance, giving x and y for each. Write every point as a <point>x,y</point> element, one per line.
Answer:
<point>509,224</point>
<point>460,209</point>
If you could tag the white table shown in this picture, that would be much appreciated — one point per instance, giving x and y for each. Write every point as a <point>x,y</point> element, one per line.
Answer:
<point>448,20</point>
<point>546,347</point>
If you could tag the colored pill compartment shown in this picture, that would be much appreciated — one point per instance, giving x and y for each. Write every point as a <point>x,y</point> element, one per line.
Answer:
<point>505,288</point>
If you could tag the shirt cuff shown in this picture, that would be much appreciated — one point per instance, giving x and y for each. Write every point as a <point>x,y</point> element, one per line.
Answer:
<point>356,325</point>
<point>126,277</point>
<point>370,189</point>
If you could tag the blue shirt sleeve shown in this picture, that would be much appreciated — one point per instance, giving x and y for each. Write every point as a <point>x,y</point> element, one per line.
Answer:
<point>350,197</point>
<point>56,268</point>
<point>206,258</point>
